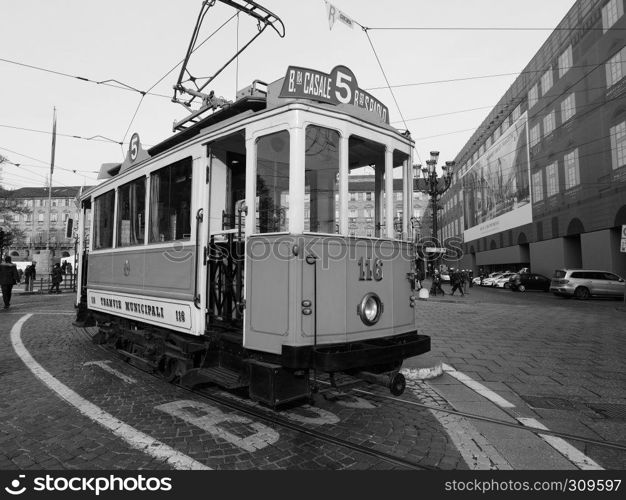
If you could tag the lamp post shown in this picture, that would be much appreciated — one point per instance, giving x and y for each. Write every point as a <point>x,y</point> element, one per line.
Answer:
<point>433,185</point>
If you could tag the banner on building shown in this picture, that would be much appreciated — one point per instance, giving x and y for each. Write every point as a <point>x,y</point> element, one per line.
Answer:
<point>496,188</point>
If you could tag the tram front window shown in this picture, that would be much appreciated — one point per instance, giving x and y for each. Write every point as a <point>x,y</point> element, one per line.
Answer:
<point>272,183</point>
<point>321,180</point>
<point>400,160</point>
<point>366,188</point>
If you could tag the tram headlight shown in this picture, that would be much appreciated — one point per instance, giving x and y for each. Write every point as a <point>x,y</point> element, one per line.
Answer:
<point>370,309</point>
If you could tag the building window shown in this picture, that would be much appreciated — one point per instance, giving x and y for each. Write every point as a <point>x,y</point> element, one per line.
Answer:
<point>535,135</point>
<point>568,107</point>
<point>565,61</point>
<point>29,218</point>
<point>616,68</point>
<point>538,186</point>
<point>40,218</point>
<point>53,218</point>
<point>170,202</point>
<point>103,220</point>
<point>549,123</point>
<point>131,213</point>
<point>533,96</point>
<point>546,82</point>
<point>517,112</point>
<point>54,202</point>
<point>65,217</point>
<point>618,145</point>
<point>611,12</point>
<point>572,171</point>
<point>552,179</point>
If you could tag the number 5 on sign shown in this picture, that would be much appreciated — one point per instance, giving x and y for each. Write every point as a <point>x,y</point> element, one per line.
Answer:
<point>133,147</point>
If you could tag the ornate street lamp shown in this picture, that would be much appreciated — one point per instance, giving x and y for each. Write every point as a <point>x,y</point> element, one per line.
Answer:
<point>431,184</point>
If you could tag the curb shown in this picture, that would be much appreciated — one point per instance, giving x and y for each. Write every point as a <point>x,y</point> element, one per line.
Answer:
<point>423,373</point>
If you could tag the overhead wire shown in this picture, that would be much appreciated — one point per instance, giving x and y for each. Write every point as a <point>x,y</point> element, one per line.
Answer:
<point>173,68</point>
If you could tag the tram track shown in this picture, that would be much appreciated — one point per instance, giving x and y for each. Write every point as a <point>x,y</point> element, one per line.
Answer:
<point>275,419</point>
<point>271,417</point>
<point>518,426</point>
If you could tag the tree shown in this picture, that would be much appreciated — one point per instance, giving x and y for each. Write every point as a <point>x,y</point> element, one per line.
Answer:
<point>9,210</point>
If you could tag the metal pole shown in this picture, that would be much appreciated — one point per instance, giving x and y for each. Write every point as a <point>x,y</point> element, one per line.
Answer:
<point>54,136</point>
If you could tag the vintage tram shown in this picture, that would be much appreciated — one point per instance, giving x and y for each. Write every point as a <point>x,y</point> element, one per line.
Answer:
<point>227,253</point>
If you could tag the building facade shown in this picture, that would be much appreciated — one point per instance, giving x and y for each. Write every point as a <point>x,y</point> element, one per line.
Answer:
<point>542,182</point>
<point>32,225</point>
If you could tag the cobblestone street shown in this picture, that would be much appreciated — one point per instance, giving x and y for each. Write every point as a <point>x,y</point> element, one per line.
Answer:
<point>559,362</point>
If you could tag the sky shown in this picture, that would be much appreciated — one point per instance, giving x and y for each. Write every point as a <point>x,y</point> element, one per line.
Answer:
<point>138,42</point>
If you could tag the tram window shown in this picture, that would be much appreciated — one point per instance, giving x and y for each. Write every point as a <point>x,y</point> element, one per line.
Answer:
<point>103,221</point>
<point>399,160</point>
<point>272,183</point>
<point>170,202</point>
<point>131,213</point>
<point>366,187</point>
<point>321,169</point>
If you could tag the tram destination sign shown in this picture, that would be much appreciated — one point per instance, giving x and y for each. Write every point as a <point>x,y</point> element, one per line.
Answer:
<point>338,87</point>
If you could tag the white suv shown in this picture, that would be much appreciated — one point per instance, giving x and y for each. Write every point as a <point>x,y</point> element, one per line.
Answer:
<point>584,283</point>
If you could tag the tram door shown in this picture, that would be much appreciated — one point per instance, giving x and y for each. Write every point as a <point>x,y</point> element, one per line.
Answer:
<point>227,219</point>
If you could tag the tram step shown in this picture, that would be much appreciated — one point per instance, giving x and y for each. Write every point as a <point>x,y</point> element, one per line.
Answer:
<point>228,379</point>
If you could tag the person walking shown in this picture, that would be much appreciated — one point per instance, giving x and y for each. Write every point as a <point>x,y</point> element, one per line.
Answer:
<point>470,278</point>
<point>436,286</point>
<point>30,274</point>
<point>457,282</point>
<point>57,277</point>
<point>8,278</point>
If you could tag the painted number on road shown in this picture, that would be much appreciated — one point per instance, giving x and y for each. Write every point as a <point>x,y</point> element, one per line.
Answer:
<point>251,436</point>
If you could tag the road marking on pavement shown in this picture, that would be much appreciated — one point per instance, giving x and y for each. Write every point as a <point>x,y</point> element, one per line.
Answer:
<point>574,455</point>
<point>212,420</point>
<point>305,414</point>
<point>474,448</point>
<point>135,438</point>
<point>477,387</point>
<point>104,365</point>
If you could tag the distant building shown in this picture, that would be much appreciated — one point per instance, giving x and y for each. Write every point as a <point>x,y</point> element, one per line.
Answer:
<point>542,181</point>
<point>33,225</point>
<point>362,206</point>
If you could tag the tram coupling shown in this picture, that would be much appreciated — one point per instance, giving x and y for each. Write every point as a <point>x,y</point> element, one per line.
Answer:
<point>393,380</point>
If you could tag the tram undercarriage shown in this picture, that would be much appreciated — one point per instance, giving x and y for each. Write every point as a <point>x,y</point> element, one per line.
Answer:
<point>274,380</point>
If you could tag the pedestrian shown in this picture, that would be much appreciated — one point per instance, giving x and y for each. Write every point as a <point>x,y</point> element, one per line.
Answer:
<point>68,269</point>
<point>20,273</point>
<point>419,277</point>
<point>8,277</point>
<point>464,280</point>
<point>57,277</point>
<point>30,274</point>
<point>456,281</point>
<point>64,266</point>
<point>436,286</point>
<point>470,278</point>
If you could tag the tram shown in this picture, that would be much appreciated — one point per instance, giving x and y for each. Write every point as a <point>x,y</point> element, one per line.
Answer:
<point>226,254</point>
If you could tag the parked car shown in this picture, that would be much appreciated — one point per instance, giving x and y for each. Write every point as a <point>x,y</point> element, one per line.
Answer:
<point>585,283</point>
<point>521,282</point>
<point>476,281</point>
<point>445,277</point>
<point>503,280</point>
<point>489,280</point>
